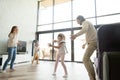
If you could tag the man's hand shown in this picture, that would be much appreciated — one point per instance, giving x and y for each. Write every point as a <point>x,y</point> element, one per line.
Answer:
<point>73,37</point>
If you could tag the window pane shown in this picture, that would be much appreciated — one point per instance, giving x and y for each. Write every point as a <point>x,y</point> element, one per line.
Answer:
<point>107,7</point>
<point>109,19</point>
<point>75,24</point>
<point>78,51</point>
<point>92,20</point>
<point>83,7</point>
<point>62,25</point>
<point>62,12</point>
<point>44,39</point>
<point>44,27</point>
<point>45,13</point>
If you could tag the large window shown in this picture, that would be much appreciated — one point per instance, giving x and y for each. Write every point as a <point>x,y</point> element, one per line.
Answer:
<point>78,50</point>
<point>45,15</point>
<point>83,7</point>
<point>59,16</point>
<point>45,27</point>
<point>109,19</point>
<point>62,12</point>
<point>105,7</point>
<point>62,25</point>
<point>44,39</point>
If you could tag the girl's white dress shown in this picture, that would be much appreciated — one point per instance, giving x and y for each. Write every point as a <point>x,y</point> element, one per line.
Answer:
<point>62,49</point>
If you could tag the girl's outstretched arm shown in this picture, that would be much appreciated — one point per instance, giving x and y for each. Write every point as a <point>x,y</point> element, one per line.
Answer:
<point>55,46</point>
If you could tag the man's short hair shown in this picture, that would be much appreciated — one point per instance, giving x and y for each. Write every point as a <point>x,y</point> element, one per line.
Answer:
<point>81,18</point>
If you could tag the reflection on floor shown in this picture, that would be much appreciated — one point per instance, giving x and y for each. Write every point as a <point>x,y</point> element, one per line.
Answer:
<point>44,70</point>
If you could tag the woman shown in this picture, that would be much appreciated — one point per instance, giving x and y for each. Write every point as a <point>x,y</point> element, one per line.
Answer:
<point>12,48</point>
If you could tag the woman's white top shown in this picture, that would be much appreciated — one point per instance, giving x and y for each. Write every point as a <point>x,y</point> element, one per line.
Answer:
<point>13,40</point>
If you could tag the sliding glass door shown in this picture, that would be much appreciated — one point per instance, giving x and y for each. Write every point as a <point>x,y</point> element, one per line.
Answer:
<point>45,50</point>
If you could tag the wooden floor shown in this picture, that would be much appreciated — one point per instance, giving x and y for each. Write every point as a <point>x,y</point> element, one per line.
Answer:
<point>44,70</point>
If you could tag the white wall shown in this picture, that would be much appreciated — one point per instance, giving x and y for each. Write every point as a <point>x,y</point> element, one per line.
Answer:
<point>21,13</point>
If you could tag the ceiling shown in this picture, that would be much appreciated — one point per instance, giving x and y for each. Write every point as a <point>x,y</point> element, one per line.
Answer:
<point>48,3</point>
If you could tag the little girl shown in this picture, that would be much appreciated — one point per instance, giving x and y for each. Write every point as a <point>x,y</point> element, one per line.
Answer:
<point>61,53</point>
<point>36,53</point>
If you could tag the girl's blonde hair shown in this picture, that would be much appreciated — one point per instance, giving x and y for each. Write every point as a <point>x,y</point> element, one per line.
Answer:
<point>62,36</point>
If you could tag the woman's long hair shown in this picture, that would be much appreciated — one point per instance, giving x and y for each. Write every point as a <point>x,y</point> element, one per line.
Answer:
<point>12,30</point>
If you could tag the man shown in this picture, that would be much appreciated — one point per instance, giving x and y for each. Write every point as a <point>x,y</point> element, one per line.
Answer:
<point>91,40</point>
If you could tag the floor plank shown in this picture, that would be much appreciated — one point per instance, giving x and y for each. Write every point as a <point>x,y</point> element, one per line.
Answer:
<point>44,70</point>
